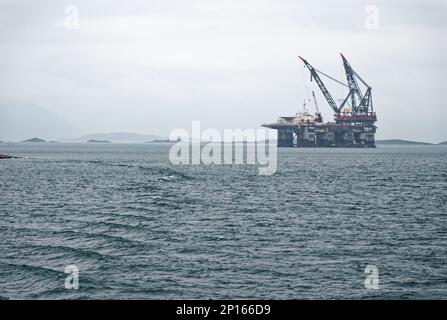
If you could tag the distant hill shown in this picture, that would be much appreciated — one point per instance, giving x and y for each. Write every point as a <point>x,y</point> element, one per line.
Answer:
<point>21,121</point>
<point>399,142</point>
<point>98,141</point>
<point>34,140</point>
<point>443,143</point>
<point>118,137</point>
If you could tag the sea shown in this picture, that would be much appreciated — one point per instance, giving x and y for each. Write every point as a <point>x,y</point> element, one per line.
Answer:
<point>119,221</point>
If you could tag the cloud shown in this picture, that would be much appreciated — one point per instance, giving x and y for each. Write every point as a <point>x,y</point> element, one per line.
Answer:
<point>151,66</point>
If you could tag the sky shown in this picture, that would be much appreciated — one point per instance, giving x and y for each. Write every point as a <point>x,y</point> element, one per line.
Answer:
<point>81,67</point>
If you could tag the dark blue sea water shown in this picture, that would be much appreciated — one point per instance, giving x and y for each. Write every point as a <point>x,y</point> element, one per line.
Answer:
<point>138,227</point>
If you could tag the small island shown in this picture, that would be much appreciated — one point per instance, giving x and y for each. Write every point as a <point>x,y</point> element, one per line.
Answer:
<point>400,142</point>
<point>97,141</point>
<point>164,141</point>
<point>5,156</point>
<point>34,140</point>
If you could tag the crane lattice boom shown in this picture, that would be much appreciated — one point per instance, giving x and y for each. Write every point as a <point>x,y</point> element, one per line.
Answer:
<point>361,104</point>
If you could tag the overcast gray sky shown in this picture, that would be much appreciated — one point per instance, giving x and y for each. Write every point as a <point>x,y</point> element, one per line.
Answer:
<point>152,66</point>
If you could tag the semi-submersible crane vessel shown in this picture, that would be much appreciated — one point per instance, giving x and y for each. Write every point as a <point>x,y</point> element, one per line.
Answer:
<point>354,117</point>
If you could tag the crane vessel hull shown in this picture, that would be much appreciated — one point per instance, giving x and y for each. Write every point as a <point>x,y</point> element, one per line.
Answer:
<point>324,135</point>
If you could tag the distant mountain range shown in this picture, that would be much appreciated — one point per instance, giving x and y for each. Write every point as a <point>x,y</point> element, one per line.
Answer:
<point>20,122</point>
<point>117,137</point>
